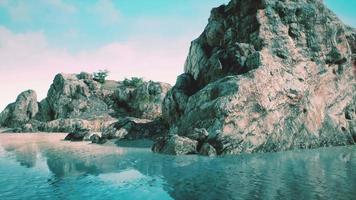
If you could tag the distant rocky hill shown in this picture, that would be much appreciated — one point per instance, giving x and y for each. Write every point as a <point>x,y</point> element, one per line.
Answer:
<point>265,75</point>
<point>77,100</point>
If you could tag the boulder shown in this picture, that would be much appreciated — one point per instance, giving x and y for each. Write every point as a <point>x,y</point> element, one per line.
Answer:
<point>268,76</point>
<point>21,111</point>
<point>78,134</point>
<point>175,145</point>
<point>73,137</point>
<point>207,150</point>
<point>88,136</point>
<point>95,138</point>
<point>130,128</point>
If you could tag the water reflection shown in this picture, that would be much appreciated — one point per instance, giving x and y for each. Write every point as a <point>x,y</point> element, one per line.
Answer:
<point>26,155</point>
<point>63,158</point>
<point>312,174</point>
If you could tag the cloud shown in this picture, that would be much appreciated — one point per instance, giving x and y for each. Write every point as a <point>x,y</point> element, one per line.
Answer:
<point>106,11</point>
<point>17,10</point>
<point>29,62</point>
<point>24,11</point>
<point>59,4</point>
<point>15,48</point>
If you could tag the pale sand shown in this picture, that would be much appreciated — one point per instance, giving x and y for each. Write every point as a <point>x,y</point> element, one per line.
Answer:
<point>63,158</point>
<point>55,141</point>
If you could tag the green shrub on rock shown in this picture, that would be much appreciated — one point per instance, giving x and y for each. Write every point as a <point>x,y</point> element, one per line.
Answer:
<point>100,76</point>
<point>133,82</point>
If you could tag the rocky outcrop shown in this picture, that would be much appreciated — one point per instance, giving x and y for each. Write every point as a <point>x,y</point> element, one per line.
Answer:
<point>175,145</point>
<point>82,134</point>
<point>21,111</point>
<point>96,139</point>
<point>74,96</point>
<point>140,99</point>
<point>175,101</point>
<point>207,150</point>
<point>130,128</point>
<point>77,100</point>
<point>266,76</point>
<point>68,125</point>
<point>78,134</point>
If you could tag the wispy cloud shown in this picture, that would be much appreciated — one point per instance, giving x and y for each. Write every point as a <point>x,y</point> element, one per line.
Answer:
<point>17,10</point>
<point>24,11</point>
<point>106,11</point>
<point>61,5</point>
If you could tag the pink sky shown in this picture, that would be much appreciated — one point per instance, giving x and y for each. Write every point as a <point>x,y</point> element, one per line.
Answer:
<point>27,61</point>
<point>35,38</point>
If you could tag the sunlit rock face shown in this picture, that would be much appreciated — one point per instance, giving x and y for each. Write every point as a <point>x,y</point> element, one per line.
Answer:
<point>140,100</point>
<point>21,111</point>
<point>266,76</point>
<point>74,96</point>
<point>77,100</point>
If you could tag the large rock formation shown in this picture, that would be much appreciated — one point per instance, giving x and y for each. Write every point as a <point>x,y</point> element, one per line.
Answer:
<point>140,99</point>
<point>21,111</point>
<point>77,100</point>
<point>267,75</point>
<point>74,96</point>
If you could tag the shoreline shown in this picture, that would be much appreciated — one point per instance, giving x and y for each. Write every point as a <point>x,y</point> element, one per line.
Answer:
<point>59,136</point>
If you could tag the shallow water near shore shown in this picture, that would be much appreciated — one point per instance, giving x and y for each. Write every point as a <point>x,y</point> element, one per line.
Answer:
<point>42,166</point>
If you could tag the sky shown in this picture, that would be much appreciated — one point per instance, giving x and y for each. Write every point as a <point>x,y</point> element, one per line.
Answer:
<point>149,39</point>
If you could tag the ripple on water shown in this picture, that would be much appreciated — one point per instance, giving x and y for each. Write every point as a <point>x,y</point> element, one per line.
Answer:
<point>42,166</point>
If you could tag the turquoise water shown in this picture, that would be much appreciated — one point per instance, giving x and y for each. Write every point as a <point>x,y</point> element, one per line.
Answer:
<point>40,166</point>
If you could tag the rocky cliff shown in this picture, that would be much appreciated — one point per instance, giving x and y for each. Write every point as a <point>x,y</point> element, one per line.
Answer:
<point>265,75</point>
<point>77,100</point>
<point>21,111</point>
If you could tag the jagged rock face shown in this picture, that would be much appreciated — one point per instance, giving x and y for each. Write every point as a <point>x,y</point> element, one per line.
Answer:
<point>130,128</point>
<point>268,76</point>
<point>142,100</point>
<point>21,111</point>
<point>79,96</point>
<point>174,103</point>
<point>78,100</point>
<point>73,96</point>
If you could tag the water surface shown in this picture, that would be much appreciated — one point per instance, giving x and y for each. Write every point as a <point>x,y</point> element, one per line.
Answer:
<point>42,166</point>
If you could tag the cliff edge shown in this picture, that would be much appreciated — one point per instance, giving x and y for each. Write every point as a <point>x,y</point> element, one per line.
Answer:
<point>265,75</point>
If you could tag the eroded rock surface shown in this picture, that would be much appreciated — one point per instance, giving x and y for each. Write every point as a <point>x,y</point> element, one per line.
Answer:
<point>21,111</point>
<point>74,96</point>
<point>130,128</point>
<point>266,76</point>
<point>77,100</point>
<point>176,145</point>
<point>142,99</point>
